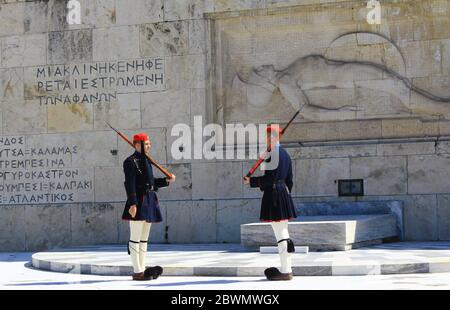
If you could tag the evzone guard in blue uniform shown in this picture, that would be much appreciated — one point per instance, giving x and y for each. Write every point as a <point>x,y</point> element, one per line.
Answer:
<point>142,207</point>
<point>277,206</point>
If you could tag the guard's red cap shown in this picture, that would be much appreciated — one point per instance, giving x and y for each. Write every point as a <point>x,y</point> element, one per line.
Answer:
<point>140,137</point>
<point>274,128</point>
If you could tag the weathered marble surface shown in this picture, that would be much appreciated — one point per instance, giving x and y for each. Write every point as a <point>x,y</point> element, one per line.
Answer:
<point>70,46</point>
<point>325,232</point>
<point>443,205</point>
<point>231,214</point>
<point>47,227</point>
<point>318,176</point>
<point>233,259</point>
<point>274,249</point>
<point>115,43</point>
<point>95,224</point>
<point>382,175</point>
<point>165,109</point>
<point>217,180</point>
<point>181,189</point>
<point>139,12</point>
<point>427,174</point>
<point>249,33</point>
<point>109,184</point>
<point>191,222</point>
<point>24,51</point>
<point>167,38</point>
<point>33,117</point>
<point>12,228</point>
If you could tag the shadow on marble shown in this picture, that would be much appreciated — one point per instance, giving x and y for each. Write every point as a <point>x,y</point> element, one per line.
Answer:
<point>212,282</point>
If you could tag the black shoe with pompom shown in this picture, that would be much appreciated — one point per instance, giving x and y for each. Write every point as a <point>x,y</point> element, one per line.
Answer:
<point>153,272</point>
<point>273,274</point>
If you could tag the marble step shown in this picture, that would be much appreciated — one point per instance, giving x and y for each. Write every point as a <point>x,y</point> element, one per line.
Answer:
<point>325,233</point>
<point>274,249</point>
<point>234,260</point>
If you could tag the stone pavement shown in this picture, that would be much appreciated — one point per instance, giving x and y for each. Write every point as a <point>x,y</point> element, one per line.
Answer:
<point>18,274</point>
<point>234,260</point>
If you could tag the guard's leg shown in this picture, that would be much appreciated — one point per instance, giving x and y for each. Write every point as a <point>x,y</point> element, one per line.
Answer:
<point>143,244</point>
<point>133,247</point>
<point>285,248</point>
<point>150,272</point>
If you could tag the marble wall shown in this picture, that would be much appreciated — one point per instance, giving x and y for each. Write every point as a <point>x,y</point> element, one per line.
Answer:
<point>146,65</point>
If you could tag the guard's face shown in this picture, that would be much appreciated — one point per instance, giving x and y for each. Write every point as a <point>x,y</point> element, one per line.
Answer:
<point>147,146</point>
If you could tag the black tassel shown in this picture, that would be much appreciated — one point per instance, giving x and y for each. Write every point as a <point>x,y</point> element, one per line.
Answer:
<point>290,245</point>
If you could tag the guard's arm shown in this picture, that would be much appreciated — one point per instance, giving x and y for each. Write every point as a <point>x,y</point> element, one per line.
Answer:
<point>161,182</point>
<point>130,181</point>
<point>262,182</point>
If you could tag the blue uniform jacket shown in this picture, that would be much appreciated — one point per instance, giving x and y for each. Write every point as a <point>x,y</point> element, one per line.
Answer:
<point>141,187</point>
<point>277,204</point>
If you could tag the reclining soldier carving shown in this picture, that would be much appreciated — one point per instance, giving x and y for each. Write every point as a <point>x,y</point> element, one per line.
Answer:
<point>264,80</point>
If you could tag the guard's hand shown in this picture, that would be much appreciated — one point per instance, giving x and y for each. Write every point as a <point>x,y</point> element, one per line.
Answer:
<point>132,211</point>
<point>246,180</point>
<point>172,179</point>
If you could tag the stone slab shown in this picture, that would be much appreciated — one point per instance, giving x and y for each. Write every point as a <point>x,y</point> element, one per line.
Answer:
<point>421,217</point>
<point>161,39</point>
<point>181,189</point>
<point>356,269</point>
<point>12,228</point>
<point>116,43</point>
<point>165,109</point>
<point>274,249</point>
<point>405,268</point>
<point>342,208</point>
<point>11,84</point>
<point>180,10</point>
<point>426,174</point>
<point>70,46</point>
<point>33,117</point>
<point>22,51</point>
<point>47,227</point>
<point>100,13</point>
<point>108,183</point>
<point>191,221</point>
<point>231,214</point>
<point>325,231</point>
<point>141,11</point>
<point>12,16</point>
<point>216,180</point>
<point>124,113</point>
<point>93,224</point>
<point>234,260</point>
<point>381,175</point>
<point>318,176</point>
<point>443,216</point>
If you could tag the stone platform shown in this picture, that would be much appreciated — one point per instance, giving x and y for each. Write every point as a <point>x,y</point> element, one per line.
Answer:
<point>235,260</point>
<point>334,226</point>
<point>326,233</point>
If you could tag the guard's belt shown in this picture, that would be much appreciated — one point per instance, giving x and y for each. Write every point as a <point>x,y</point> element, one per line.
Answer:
<point>146,188</point>
<point>274,185</point>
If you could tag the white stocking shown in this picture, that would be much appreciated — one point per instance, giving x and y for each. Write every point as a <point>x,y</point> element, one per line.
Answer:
<point>281,232</point>
<point>133,244</point>
<point>143,244</point>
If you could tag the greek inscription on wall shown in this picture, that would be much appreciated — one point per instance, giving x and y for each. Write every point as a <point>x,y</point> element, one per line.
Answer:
<point>38,175</point>
<point>93,82</point>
